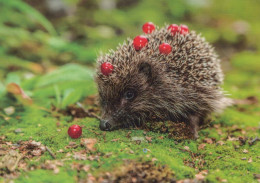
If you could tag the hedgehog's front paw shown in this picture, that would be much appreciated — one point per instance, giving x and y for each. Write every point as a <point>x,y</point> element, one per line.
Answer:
<point>195,134</point>
<point>194,123</point>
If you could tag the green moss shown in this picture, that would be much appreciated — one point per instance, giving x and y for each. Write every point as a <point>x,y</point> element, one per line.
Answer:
<point>46,176</point>
<point>223,162</point>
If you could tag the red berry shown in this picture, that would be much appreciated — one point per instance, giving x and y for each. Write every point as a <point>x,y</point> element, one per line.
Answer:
<point>148,27</point>
<point>174,28</point>
<point>75,131</point>
<point>184,29</point>
<point>165,48</point>
<point>107,68</point>
<point>139,42</point>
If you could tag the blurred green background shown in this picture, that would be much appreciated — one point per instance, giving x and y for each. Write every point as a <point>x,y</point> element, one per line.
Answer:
<point>36,36</point>
<point>65,31</point>
<point>56,32</point>
<point>49,48</point>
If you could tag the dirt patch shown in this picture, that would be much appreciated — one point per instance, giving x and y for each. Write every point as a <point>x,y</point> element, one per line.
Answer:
<point>80,112</point>
<point>174,130</point>
<point>13,156</point>
<point>137,172</point>
<point>88,108</point>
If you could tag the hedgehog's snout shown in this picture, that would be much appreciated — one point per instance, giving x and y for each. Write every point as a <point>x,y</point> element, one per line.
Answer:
<point>105,125</point>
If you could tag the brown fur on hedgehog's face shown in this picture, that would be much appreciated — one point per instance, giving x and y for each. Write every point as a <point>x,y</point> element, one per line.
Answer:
<point>126,101</point>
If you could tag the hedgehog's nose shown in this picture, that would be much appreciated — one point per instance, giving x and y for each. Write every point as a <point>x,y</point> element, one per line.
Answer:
<point>104,125</point>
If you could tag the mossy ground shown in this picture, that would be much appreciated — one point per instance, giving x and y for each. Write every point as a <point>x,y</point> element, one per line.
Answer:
<point>223,161</point>
<point>225,150</point>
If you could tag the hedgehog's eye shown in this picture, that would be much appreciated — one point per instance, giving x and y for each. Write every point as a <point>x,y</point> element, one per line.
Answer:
<point>129,95</point>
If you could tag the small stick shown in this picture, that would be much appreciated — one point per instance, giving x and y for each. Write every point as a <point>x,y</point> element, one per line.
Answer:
<point>90,114</point>
<point>251,142</point>
<point>19,157</point>
<point>51,153</point>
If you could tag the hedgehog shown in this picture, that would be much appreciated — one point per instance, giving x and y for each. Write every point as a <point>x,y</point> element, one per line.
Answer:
<point>169,74</point>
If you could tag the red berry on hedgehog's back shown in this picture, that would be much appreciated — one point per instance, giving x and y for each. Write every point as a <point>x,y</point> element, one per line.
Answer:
<point>173,28</point>
<point>139,42</point>
<point>148,27</point>
<point>75,131</point>
<point>184,29</point>
<point>106,68</point>
<point>165,48</point>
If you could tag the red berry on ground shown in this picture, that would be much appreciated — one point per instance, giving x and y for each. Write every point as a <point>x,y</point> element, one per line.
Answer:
<point>165,48</point>
<point>74,131</point>
<point>106,68</point>
<point>184,29</point>
<point>173,28</point>
<point>148,27</point>
<point>139,42</point>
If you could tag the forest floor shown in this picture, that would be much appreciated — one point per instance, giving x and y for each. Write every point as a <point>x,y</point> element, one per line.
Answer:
<point>34,141</point>
<point>42,93</point>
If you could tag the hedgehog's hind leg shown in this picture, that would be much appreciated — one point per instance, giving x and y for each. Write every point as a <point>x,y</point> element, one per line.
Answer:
<point>194,124</point>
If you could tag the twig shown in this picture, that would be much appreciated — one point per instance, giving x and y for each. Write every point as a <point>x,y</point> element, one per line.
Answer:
<point>19,157</point>
<point>51,153</point>
<point>251,142</point>
<point>90,114</point>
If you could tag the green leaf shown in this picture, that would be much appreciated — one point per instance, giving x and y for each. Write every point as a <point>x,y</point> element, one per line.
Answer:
<point>69,72</point>
<point>31,12</point>
<point>13,78</point>
<point>87,87</point>
<point>2,89</point>
<point>71,96</point>
<point>58,95</point>
<point>7,61</point>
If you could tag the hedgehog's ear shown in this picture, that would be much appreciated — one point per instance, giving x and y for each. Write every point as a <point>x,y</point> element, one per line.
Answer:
<point>146,69</point>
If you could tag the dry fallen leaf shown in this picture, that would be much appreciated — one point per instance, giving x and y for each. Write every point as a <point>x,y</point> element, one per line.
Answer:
<point>250,160</point>
<point>220,143</point>
<point>36,152</point>
<point>18,92</point>
<point>256,176</point>
<point>93,157</point>
<point>9,110</point>
<point>108,155</point>
<point>201,146</point>
<point>201,175</point>
<point>115,140</point>
<point>131,151</point>
<point>219,131</point>
<point>52,165</point>
<point>245,151</point>
<point>186,148</point>
<point>10,160</point>
<point>60,151</point>
<point>128,134</point>
<point>72,145</point>
<point>247,101</point>
<point>81,155</point>
<point>208,140</point>
<point>149,139</point>
<point>79,166</point>
<point>154,159</point>
<point>31,148</point>
<point>88,143</point>
<point>90,178</point>
<point>232,138</point>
